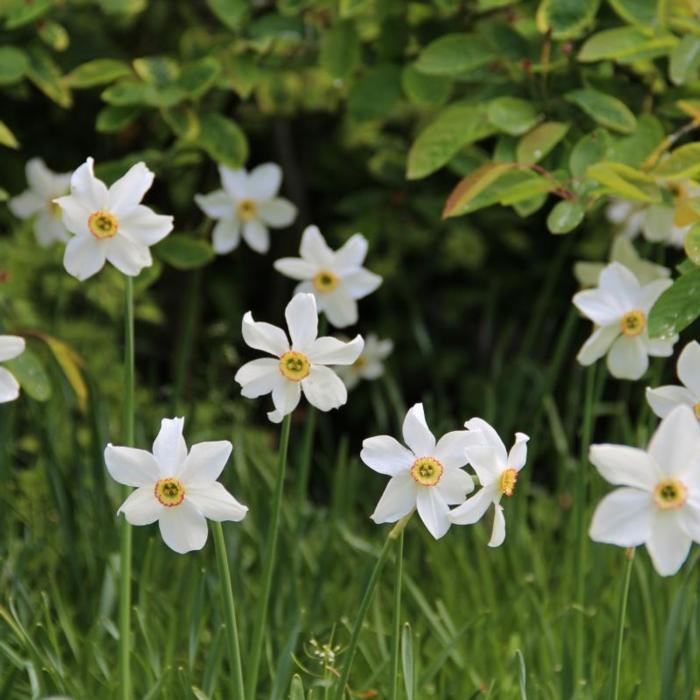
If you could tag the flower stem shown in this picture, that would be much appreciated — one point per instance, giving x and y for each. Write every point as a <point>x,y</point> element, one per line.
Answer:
<point>269,562</point>
<point>230,611</point>
<point>397,622</point>
<point>364,606</point>
<point>622,614</point>
<point>125,529</point>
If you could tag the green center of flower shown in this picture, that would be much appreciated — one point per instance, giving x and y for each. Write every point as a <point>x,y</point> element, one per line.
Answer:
<point>102,224</point>
<point>170,491</point>
<point>509,477</point>
<point>294,365</point>
<point>633,323</point>
<point>247,209</point>
<point>427,471</point>
<point>325,281</point>
<point>670,493</point>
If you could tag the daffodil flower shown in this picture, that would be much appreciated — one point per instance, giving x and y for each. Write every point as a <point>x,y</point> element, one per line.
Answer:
<point>110,224</point>
<point>619,308</point>
<point>664,399</point>
<point>299,366</point>
<point>11,346</point>
<point>658,503</point>
<point>177,488</point>
<point>427,475</point>
<point>247,205</point>
<point>336,278</point>
<point>498,475</point>
<point>38,201</point>
<point>370,364</point>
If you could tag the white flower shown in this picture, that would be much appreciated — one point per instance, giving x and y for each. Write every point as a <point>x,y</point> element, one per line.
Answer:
<point>296,367</point>
<point>498,474</point>
<point>659,502</point>
<point>110,224</point>
<point>10,347</point>
<point>665,398</point>
<point>670,224</point>
<point>624,252</point>
<point>336,278</point>
<point>178,489</point>
<point>370,364</point>
<point>619,308</point>
<point>426,475</point>
<point>248,204</point>
<point>38,201</point>
<point>628,215</point>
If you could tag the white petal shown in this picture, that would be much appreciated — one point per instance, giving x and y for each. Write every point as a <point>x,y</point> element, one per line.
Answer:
<point>658,223</point>
<point>256,235</point>
<point>668,545</point>
<point>277,212</point>
<point>451,448</point>
<point>39,177</point>
<point>651,292</point>
<point>587,273</point>
<point>142,507</point>
<point>169,447</point>
<point>131,466</point>
<point>235,182</point>
<point>474,508</point>
<point>360,283</point>
<point>621,284</point>
<point>351,254</point>
<point>433,511</point>
<point>264,336</point>
<point>315,249</point>
<point>128,191</point>
<point>216,205</point>
<point>664,399</point>
<point>689,519</point>
<point>689,366</point>
<point>26,204</point>
<point>129,256</point>
<point>48,229</point>
<point>490,437</point>
<point>398,499</point>
<point>454,485</point>
<point>625,466</point>
<point>183,527</point>
<point>485,462</point>
<point>204,463</point>
<point>599,305</point>
<point>386,455</point>
<point>676,443</point>
<point>74,215</point>
<point>9,386</point>
<point>498,532</point>
<point>660,347</point>
<point>285,397</point>
<point>597,345</point>
<point>258,377</point>
<point>91,191</point>
<point>11,346</point>
<point>339,307</point>
<point>226,236</point>
<point>302,321</point>
<point>324,389</point>
<point>144,225</point>
<point>623,518</point>
<point>295,268</point>
<point>416,433</point>
<point>331,351</point>
<point>216,503</point>
<point>627,358</point>
<point>264,181</point>
<point>83,257</point>
<point>518,453</point>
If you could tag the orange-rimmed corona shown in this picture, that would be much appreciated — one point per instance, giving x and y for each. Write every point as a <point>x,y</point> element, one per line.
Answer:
<point>103,225</point>
<point>170,491</point>
<point>427,471</point>
<point>295,366</point>
<point>633,323</point>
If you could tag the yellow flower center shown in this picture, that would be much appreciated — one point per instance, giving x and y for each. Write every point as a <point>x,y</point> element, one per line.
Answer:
<point>102,224</point>
<point>509,477</point>
<point>696,410</point>
<point>294,365</point>
<point>670,493</point>
<point>633,323</point>
<point>427,471</point>
<point>325,281</point>
<point>247,209</point>
<point>170,491</point>
<point>55,209</point>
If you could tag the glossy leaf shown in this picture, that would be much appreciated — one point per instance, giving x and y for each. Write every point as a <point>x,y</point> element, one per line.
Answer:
<point>608,111</point>
<point>223,140</point>
<point>29,371</point>
<point>100,71</point>
<point>453,54</point>
<point>184,252</point>
<point>677,307</point>
<point>513,115</point>
<point>540,141</point>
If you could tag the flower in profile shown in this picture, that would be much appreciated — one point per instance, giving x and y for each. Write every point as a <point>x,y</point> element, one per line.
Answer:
<point>336,278</point>
<point>426,475</point>
<point>247,205</point>
<point>370,364</point>
<point>658,503</point>
<point>664,399</point>
<point>498,474</point>
<point>670,224</point>
<point>38,201</point>
<point>299,366</point>
<point>619,307</point>
<point>11,346</point>
<point>110,224</point>
<point>177,488</point>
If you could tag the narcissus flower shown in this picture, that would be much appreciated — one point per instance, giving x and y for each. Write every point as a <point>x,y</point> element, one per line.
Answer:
<point>247,205</point>
<point>425,475</point>
<point>665,398</point>
<point>627,215</point>
<point>110,224</point>
<point>299,366</point>
<point>498,474</point>
<point>670,224</point>
<point>38,201</point>
<point>177,488</point>
<point>370,364</point>
<point>659,502</point>
<point>11,346</point>
<point>619,308</point>
<point>336,278</point>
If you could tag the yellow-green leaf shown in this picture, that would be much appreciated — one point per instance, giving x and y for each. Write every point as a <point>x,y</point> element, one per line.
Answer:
<point>472,185</point>
<point>13,65</point>
<point>7,138</point>
<point>46,75</point>
<point>624,181</point>
<point>71,364</point>
<point>540,141</point>
<point>223,140</point>
<point>608,111</point>
<point>97,72</point>
<point>453,54</point>
<point>566,19</point>
<point>684,162</point>
<point>625,44</point>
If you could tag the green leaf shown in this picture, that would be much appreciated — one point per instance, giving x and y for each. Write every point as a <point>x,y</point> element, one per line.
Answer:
<point>454,127</point>
<point>130,93</point>
<point>636,148</point>
<point>231,13</point>
<point>684,60</point>
<point>540,141</point>
<point>608,111</point>
<point>623,181</point>
<point>626,44</point>
<point>407,661</point>
<point>590,149</point>
<point>54,35</point>
<point>425,90</point>
<point>565,216</point>
<point>97,72</point>
<point>7,138</point>
<point>513,115</point>
<point>13,65</point>
<point>46,75</point>
<point>677,307</point>
<point>454,54</point>
<point>684,162</point>
<point>112,119</point>
<point>183,121</point>
<point>691,243</point>
<point>23,13</point>
<point>340,50</point>
<point>375,94</point>
<point>567,19</point>
<point>296,690</point>
<point>31,375</point>
<point>223,140</point>
<point>199,77</point>
<point>641,12</point>
<point>184,252</point>
<point>472,185</point>
<point>157,70</point>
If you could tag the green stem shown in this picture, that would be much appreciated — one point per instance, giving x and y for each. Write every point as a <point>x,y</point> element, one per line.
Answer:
<point>622,614</point>
<point>269,563</point>
<point>396,642</point>
<point>364,606</point>
<point>230,611</point>
<point>125,528</point>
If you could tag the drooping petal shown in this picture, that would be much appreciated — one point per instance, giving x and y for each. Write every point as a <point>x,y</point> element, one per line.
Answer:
<point>264,181</point>
<point>258,377</point>
<point>295,268</point>
<point>169,447</point>
<point>302,321</point>
<point>416,433</point>
<point>398,499</point>
<point>91,191</point>
<point>339,307</point>
<point>451,448</point>
<point>386,455</point>
<point>360,283</point>
<point>454,485</point>
<point>129,256</point>
<point>84,256</point>
<point>491,438</point>
<point>128,191</point>
<point>621,284</point>
<point>216,503</point>
<point>689,366</point>
<point>285,397</point>
<point>623,518</point>
<point>204,463</point>
<point>234,182</point>
<point>498,532</point>
<point>131,466</point>
<point>474,508</point>
<point>315,249</point>
<point>277,212</point>
<point>627,358</point>
<point>264,336</point>
<point>11,346</point>
<point>183,527</point>
<point>26,204</point>
<point>226,236</point>
<point>331,351</point>
<point>518,453</point>
<point>599,305</point>
<point>216,205</point>
<point>625,466</point>
<point>9,386</point>
<point>142,507</point>
<point>485,462</point>
<point>324,389</point>
<point>256,235</point>
<point>660,347</point>
<point>668,544</point>
<point>433,511</point>
<point>597,345</point>
<point>144,225</point>
<point>676,443</point>
<point>48,229</point>
<point>350,256</point>
<point>664,399</point>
